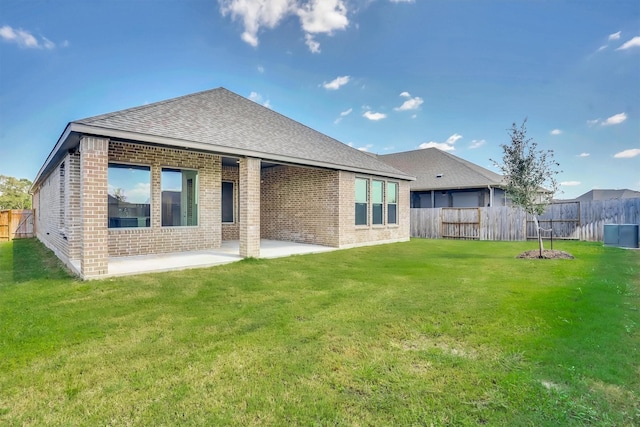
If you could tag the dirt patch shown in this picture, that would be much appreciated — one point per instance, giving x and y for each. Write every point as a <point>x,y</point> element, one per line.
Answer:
<point>546,254</point>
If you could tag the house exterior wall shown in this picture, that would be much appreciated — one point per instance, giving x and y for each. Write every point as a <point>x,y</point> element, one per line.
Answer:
<point>352,235</point>
<point>48,202</point>
<point>158,239</point>
<point>300,205</point>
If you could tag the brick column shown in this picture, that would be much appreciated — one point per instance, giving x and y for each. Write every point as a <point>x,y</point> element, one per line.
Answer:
<point>250,207</point>
<point>94,161</point>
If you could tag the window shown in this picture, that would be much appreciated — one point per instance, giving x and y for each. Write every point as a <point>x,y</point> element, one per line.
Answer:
<point>392,203</point>
<point>227,202</point>
<point>129,195</point>
<point>362,201</point>
<point>179,197</point>
<point>377,198</point>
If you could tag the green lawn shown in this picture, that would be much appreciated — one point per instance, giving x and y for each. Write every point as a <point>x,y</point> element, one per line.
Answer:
<point>429,332</point>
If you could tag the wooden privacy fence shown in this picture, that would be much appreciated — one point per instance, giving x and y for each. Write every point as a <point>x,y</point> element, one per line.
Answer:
<point>568,220</point>
<point>16,224</point>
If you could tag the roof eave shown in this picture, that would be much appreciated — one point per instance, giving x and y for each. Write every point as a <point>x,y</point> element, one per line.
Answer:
<point>81,128</point>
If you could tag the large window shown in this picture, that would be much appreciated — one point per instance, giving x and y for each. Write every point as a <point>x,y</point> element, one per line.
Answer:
<point>129,195</point>
<point>392,203</point>
<point>227,202</point>
<point>362,201</point>
<point>377,199</point>
<point>179,197</point>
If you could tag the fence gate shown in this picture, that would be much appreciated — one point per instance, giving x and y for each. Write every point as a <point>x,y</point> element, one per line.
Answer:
<point>16,224</point>
<point>461,223</point>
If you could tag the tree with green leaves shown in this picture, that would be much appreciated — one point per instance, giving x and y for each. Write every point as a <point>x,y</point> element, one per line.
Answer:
<point>14,193</point>
<point>529,174</point>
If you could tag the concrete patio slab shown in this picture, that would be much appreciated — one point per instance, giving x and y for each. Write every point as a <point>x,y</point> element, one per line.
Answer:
<point>227,253</point>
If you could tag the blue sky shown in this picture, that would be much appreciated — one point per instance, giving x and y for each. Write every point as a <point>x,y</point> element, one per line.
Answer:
<point>380,75</point>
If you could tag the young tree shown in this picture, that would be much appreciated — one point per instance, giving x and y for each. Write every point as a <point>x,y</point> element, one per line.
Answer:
<point>529,174</point>
<point>14,193</point>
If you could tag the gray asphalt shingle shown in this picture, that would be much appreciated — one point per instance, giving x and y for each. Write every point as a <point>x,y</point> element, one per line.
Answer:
<point>426,164</point>
<point>227,121</point>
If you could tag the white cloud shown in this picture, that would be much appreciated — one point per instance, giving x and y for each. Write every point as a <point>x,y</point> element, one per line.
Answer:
<point>627,154</point>
<point>556,132</point>
<point>453,139</point>
<point>477,143</point>
<point>401,1</point>
<point>257,98</point>
<point>336,83</point>
<point>374,116</point>
<point>584,155</point>
<point>448,145</point>
<point>615,36</point>
<point>634,42</point>
<point>316,17</point>
<point>363,148</point>
<point>439,145</point>
<point>256,14</point>
<point>25,39</point>
<point>323,16</point>
<point>342,115</point>
<point>593,122</point>
<point>260,69</point>
<point>409,104</point>
<point>570,183</point>
<point>616,119</point>
<point>312,44</point>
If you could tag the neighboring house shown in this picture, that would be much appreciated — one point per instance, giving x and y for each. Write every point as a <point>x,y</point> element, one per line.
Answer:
<point>187,173</point>
<point>593,195</point>
<point>444,180</point>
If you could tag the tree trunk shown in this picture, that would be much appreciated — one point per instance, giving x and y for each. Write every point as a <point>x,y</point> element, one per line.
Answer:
<point>535,220</point>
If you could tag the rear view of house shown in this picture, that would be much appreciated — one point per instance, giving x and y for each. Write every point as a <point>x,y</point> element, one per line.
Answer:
<point>188,173</point>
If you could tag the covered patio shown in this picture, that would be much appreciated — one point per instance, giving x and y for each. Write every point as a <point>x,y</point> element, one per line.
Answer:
<point>228,252</point>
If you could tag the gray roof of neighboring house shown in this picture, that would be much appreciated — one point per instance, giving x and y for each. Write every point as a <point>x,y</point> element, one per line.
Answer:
<point>607,195</point>
<point>456,173</point>
<point>223,122</point>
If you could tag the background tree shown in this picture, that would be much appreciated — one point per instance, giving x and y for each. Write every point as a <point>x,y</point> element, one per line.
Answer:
<point>529,174</point>
<point>14,193</point>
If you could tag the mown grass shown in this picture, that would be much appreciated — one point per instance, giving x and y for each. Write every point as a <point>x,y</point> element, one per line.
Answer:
<point>429,332</point>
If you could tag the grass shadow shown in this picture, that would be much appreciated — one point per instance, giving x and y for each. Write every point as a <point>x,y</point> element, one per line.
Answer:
<point>27,260</point>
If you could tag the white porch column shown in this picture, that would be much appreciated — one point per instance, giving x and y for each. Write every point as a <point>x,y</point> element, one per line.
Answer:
<point>250,207</point>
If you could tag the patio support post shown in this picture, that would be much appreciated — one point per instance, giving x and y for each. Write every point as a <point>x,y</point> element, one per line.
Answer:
<point>250,207</point>
<point>94,161</point>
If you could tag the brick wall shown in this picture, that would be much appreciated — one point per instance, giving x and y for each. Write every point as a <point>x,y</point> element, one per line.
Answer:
<point>94,257</point>
<point>352,235</point>
<point>49,205</point>
<point>249,190</point>
<point>158,239</point>
<point>300,205</point>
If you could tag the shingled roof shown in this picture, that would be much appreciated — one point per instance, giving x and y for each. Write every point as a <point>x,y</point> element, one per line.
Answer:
<point>223,122</point>
<point>438,170</point>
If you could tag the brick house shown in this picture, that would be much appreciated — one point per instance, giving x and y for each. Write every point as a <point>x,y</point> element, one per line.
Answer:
<point>187,173</point>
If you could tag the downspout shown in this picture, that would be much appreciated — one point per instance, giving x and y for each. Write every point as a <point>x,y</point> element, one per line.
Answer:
<point>490,195</point>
